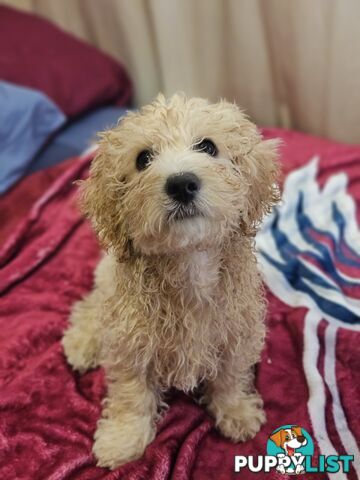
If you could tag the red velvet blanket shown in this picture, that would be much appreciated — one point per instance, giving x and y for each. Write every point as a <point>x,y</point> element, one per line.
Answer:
<point>17,201</point>
<point>308,376</point>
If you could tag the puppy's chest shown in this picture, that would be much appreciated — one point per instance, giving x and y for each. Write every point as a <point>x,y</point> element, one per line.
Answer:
<point>201,279</point>
<point>189,351</point>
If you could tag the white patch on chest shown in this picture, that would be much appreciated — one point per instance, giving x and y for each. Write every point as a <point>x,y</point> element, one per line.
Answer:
<point>203,273</point>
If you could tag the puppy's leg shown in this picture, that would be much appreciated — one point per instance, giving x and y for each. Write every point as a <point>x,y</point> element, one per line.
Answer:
<point>81,340</point>
<point>233,402</point>
<point>127,425</point>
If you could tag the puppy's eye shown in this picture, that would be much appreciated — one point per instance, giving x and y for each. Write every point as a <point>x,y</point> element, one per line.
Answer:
<point>143,159</point>
<point>207,146</point>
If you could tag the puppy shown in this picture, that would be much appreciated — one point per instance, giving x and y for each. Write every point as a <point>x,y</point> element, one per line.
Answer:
<point>175,195</point>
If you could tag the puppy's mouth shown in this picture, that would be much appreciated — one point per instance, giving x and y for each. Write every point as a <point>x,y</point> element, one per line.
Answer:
<point>182,212</point>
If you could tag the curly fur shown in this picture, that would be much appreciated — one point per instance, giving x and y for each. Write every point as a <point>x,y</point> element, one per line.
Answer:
<point>175,303</point>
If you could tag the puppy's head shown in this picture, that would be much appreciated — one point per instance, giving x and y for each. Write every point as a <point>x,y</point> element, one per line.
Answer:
<point>179,174</point>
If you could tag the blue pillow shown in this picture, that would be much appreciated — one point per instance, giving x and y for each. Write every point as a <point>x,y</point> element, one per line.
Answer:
<point>27,119</point>
<point>76,136</point>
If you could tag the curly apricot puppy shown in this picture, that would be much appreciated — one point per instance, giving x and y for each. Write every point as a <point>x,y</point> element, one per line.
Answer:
<point>175,194</point>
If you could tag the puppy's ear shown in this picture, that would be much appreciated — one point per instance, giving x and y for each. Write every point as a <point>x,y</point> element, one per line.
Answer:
<point>260,169</point>
<point>277,438</point>
<point>100,200</point>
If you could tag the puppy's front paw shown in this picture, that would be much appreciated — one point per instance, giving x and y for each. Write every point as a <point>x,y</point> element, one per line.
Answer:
<point>80,348</point>
<point>241,421</point>
<point>120,441</point>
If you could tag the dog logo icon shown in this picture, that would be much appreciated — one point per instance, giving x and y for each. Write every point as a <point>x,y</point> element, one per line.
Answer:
<point>290,442</point>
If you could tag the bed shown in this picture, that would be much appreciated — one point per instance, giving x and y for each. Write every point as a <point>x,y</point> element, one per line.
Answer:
<point>309,373</point>
<point>308,251</point>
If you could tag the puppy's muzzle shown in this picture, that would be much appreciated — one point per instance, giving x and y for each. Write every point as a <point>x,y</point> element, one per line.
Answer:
<point>182,187</point>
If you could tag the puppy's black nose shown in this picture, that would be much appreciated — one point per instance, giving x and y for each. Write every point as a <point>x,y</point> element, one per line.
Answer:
<point>182,187</point>
<point>301,438</point>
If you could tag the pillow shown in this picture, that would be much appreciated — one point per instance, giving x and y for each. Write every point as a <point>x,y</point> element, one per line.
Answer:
<point>76,137</point>
<point>76,76</point>
<point>27,119</point>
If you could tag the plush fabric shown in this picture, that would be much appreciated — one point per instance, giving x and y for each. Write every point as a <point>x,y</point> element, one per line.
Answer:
<point>48,413</point>
<point>75,137</point>
<point>17,202</point>
<point>76,76</point>
<point>27,119</point>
